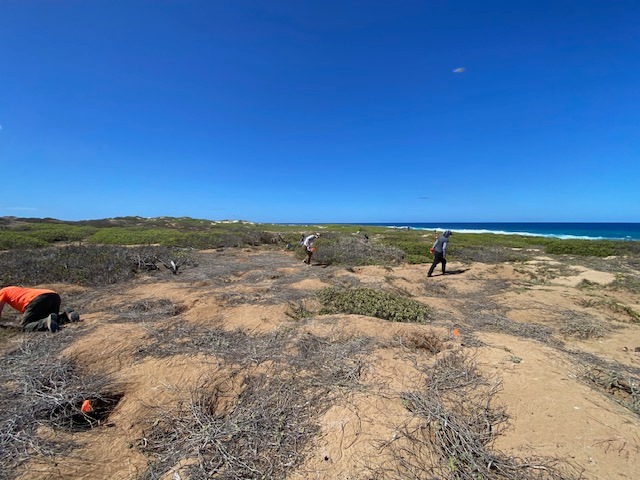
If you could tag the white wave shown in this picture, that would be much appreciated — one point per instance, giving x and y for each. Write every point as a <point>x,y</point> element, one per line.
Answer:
<point>502,232</point>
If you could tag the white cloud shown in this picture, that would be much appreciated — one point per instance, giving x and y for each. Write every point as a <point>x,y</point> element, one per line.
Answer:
<point>459,70</point>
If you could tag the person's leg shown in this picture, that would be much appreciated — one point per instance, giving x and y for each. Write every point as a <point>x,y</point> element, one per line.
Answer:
<point>444,265</point>
<point>47,323</point>
<point>309,254</point>
<point>436,259</point>
<point>38,311</point>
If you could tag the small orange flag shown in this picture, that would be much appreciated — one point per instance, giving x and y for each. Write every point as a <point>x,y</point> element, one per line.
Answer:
<point>86,406</point>
<point>455,332</point>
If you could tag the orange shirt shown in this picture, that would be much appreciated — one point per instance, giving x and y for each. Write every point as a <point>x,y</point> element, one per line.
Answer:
<point>20,297</point>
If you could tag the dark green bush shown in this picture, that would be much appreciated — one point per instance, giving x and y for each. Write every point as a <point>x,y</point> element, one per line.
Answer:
<point>373,303</point>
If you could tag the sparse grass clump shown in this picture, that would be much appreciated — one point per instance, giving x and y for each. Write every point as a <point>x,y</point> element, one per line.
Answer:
<point>497,323</point>
<point>147,309</point>
<point>622,387</point>
<point>583,328</point>
<point>373,303</point>
<point>427,341</point>
<point>297,310</point>
<point>626,282</point>
<point>611,305</point>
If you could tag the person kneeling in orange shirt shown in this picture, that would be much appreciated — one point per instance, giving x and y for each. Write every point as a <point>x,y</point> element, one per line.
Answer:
<point>40,308</point>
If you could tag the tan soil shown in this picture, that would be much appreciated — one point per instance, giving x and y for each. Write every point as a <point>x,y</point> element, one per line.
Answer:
<point>552,412</point>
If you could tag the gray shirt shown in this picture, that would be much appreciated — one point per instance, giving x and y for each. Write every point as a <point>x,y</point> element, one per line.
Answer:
<point>440,245</point>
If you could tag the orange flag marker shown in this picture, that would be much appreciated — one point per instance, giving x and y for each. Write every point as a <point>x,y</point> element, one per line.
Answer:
<point>86,406</point>
<point>455,332</point>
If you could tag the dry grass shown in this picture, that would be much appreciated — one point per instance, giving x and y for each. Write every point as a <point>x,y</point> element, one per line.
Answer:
<point>40,388</point>
<point>265,431</point>
<point>611,305</point>
<point>422,341</point>
<point>262,436</point>
<point>621,386</point>
<point>454,423</point>
<point>496,323</point>
<point>147,309</point>
<point>338,249</point>
<point>583,328</point>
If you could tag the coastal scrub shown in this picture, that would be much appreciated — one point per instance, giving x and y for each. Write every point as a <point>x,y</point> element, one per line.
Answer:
<point>373,303</point>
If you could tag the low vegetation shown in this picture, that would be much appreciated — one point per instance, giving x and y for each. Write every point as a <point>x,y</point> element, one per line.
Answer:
<point>38,387</point>
<point>340,249</point>
<point>263,432</point>
<point>374,303</point>
<point>82,264</point>
<point>619,385</point>
<point>456,421</point>
<point>260,417</point>
<point>342,244</point>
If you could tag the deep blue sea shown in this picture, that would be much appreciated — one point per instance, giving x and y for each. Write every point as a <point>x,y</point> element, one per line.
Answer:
<point>593,231</point>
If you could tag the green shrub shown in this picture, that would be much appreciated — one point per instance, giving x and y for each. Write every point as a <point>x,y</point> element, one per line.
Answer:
<point>373,303</point>
<point>136,236</point>
<point>592,248</point>
<point>51,233</point>
<point>210,238</point>
<point>339,249</point>
<point>10,240</point>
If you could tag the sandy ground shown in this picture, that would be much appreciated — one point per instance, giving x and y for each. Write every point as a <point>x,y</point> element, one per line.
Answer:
<point>517,321</point>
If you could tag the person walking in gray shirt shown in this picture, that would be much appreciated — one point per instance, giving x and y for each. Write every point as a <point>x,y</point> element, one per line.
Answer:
<point>440,252</point>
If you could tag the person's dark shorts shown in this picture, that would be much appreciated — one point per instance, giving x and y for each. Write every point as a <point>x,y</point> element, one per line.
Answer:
<point>40,307</point>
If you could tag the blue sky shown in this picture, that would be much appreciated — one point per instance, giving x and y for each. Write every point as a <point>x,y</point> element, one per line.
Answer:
<point>321,111</point>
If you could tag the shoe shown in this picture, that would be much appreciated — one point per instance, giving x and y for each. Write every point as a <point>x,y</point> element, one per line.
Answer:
<point>64,316</point>
<point>429,275</point>
<point>52,323</point>
<point>73,316</point>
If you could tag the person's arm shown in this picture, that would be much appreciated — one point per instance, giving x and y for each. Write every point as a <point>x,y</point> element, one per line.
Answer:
<point>444,248</point>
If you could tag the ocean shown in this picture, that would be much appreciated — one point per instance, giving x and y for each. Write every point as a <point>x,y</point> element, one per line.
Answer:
<point>590,231</point>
